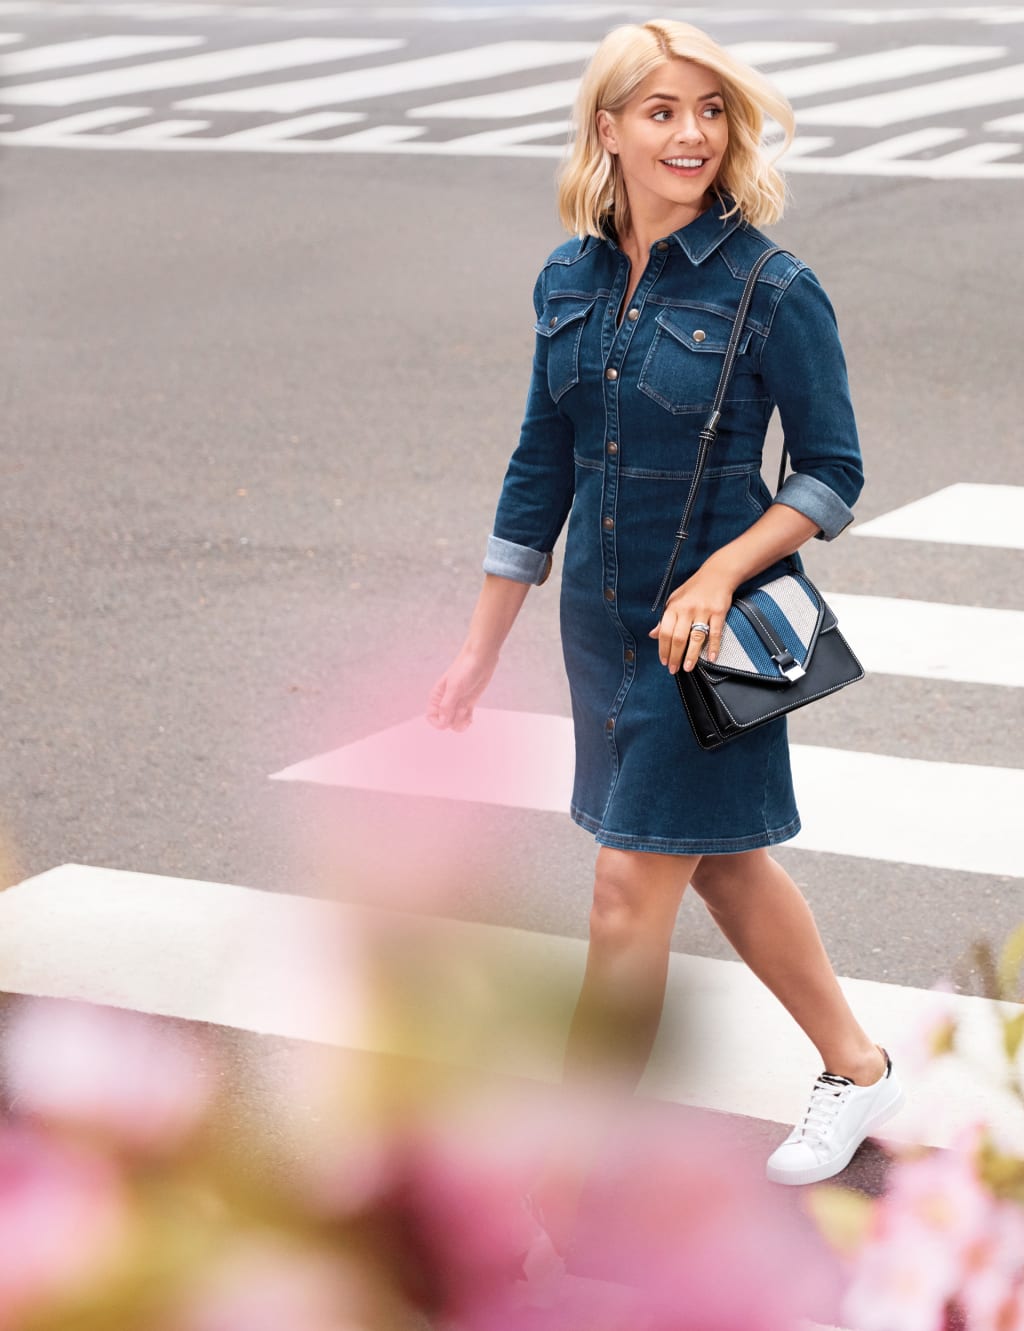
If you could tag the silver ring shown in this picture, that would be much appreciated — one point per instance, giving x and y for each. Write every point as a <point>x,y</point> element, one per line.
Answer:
<point>704,628</point>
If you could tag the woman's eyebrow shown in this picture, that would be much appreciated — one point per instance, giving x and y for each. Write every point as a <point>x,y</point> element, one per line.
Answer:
<point>671,97</point>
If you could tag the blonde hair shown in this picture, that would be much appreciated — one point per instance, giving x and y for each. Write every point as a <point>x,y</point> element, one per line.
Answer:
<point>590,183</point>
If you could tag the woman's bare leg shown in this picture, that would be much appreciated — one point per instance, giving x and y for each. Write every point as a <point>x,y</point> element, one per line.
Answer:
<point>636,901</point>
<point>767,919</point>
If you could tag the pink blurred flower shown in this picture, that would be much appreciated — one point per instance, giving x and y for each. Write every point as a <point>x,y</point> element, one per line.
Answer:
<point>119,1073</point>
<point>270,1284</point>
<point>63,1214</point>
<point>938,1233</point>
<point>991,1292</point>
<point>678,1220</point>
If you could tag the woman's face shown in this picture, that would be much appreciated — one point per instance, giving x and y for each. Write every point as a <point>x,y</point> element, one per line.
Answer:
<point>670,137</point>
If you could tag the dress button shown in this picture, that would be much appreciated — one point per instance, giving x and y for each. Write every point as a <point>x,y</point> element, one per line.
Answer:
<point>608,522</point>
<point>662,244</point>
<point>609,594</point>
<point>629,653</point>
<point>633,314</point>
<point>611,374</point>
<point>610,723</point>
<point>552,321</point>
<point>612,446</point>
<point>699,335</point>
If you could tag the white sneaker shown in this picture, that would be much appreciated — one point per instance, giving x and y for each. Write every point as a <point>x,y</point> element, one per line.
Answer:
<point>840,1115</point>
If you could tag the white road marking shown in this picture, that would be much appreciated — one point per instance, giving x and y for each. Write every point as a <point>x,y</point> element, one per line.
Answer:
<point>473,65</point>
<point>967,513</point>
<point>877,67</point>
<point>287,129</point>
<point>898,148</point>
<point>924,99</point>
<point>89,51</point>
<point>152,10</point>
<point>979,152</point>
<point>161,129</point>
<point>932,640</point>
<point>375,137</point>
<point>553,96</point>
<point>804,144</point>
<point>505,105</point>
<point>296,967</point>
<point>54,131</point>
<point>498,138</point>
<point>945,815</point>
<point>67,133</point>
<point>210,67</point>
<point>1012,124</point>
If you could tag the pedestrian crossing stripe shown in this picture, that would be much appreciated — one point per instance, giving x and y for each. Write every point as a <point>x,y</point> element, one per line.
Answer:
<point>153,10</point>
<point>810,75</point>
<point>959,816</point>
<point>295,967</point>
<point>967,513</point>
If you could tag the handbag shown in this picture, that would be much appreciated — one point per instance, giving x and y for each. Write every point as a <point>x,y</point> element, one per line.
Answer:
<point>781,646</point>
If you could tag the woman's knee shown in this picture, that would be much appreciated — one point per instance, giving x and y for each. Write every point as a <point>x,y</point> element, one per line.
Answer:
<point>636,893</point>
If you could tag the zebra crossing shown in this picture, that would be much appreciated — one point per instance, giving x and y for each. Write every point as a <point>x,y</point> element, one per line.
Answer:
<point>293,966</point>
<point>936,109</point>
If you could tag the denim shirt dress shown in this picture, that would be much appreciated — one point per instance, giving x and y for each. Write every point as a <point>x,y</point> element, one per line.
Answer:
<point>609,440</point>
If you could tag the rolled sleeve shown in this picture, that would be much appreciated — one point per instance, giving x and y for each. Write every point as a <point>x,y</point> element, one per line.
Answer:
<point>804,368</point>
<point>520,562</point>
<point>540,479</point>
<point>817,501</point>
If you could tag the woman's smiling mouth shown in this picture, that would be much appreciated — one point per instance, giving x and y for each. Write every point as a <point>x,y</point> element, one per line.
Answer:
<point>684,166</point>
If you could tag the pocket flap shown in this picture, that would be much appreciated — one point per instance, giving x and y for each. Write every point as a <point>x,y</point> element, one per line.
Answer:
<point>561,310</point>
<point>700,330</point>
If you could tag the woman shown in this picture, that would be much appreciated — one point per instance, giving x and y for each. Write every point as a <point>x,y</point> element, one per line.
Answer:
<point>664,191</point>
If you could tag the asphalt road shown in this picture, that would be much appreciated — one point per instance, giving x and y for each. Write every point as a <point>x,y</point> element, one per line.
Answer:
<point>257,412</point>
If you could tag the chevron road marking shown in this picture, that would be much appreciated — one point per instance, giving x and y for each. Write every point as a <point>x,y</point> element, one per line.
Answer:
<point>925,99</point>
<point>966,513</point>
<point>958,816</point>
<point>295,967</point>
<point>150,10</point>
<point>287,129</point>
<point>878,66</point>
<point>472,65</point>
<point>553,96</point>
<point>209,67</point>
<point>1011,124</point>
<point>88,51</point>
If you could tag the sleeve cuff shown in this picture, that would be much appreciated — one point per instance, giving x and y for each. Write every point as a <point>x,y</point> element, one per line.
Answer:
<point>817,501</point>
<point>520,562</point>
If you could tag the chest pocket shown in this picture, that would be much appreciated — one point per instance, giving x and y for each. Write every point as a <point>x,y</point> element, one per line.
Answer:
<point>561,322</point>
<point>684,361</point>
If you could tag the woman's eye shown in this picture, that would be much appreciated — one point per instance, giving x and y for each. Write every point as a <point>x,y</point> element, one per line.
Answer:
<point>664,111</point>
<point>715,111</point>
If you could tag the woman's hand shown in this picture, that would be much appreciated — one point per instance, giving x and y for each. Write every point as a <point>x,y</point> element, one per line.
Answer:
<point>455,694</point>
<point>703,598</point>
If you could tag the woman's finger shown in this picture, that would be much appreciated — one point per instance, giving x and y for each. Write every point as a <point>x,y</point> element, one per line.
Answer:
<point>717,623</point>
<point>695,640</point>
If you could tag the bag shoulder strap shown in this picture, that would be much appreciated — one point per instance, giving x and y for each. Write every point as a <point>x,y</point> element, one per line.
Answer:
<point>710,428</point>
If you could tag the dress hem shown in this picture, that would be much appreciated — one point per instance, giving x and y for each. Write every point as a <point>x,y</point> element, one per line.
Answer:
<point>684,846</point>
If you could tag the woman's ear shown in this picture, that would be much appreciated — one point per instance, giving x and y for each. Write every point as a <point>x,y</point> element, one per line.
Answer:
<point>606,130</point>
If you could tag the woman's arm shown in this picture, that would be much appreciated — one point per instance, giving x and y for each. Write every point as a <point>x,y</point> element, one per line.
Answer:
<point>804,368</point>
<point>455,694</point>
<point>535,499</point>
<point>706,596</point>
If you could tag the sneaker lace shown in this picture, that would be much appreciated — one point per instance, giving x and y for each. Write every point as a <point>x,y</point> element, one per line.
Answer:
<point>827,1098</point>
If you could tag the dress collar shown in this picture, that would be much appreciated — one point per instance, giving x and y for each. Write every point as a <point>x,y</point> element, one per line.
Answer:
<point>703,235</point>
